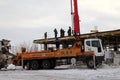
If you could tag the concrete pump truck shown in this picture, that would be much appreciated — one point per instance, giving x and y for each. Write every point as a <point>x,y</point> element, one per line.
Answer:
<point>89,52</point>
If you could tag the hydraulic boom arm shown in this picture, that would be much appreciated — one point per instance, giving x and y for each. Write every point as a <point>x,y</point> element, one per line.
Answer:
<point>76,24</point>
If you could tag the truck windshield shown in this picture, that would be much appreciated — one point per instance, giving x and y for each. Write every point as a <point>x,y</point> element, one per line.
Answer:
<point>96,43</point>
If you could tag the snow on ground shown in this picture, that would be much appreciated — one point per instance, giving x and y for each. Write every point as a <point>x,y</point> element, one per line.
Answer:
<point>104,73</point>
<point>11,67</point>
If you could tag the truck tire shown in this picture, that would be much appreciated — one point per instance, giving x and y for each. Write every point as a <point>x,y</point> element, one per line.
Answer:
<point>34,65</point>
<point>46,64</point>
<point>90,64</point>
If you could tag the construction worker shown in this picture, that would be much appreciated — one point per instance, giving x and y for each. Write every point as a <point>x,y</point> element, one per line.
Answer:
<point>57,42</point>
<point>62,33</point>
<point>45,35</point>
<point>69,31</point>
<point>55,32</point>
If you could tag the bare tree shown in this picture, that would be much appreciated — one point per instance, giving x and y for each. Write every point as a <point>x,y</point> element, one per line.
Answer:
<point>29,47</point>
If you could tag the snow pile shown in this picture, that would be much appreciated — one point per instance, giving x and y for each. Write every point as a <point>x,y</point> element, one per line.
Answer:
<point>11,67</point>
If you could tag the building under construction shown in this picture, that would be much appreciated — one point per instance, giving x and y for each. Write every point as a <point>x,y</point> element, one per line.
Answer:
<point>110,39</point>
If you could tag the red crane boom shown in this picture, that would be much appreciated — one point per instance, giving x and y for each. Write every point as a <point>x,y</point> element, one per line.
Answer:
<point>75,19</point>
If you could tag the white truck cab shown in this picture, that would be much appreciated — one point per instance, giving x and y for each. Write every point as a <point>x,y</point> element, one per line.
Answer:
<point>95,45</point>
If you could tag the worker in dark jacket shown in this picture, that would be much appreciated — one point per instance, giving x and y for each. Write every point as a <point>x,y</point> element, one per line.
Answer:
<point>55,32</point>
<point>69,31</point>
<point>45,35</point>
<point>57,42</point>
<point>62,32</point>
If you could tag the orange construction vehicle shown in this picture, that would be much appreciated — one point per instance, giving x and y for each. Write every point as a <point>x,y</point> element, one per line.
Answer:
<point>90,51</point>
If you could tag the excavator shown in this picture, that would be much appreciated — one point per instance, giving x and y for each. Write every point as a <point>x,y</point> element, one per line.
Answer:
<point>89,52</point>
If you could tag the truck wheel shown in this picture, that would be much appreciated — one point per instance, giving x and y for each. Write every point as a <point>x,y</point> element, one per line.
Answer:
<point>34,65</point>
<point>90,64</point>
<point>46,64</point>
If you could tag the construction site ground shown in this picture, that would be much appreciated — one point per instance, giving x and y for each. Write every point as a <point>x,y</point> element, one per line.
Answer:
<point>64,72</point>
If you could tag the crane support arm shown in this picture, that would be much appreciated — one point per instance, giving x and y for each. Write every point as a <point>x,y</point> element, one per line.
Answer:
<point>76,19</point>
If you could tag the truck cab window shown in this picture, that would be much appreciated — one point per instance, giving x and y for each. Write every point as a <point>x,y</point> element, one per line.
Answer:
<point>88,43</point>
<point>96,44</point>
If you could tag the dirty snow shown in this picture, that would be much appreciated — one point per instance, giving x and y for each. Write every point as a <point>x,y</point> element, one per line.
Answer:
<point>104,73</point>
<point>11,67</point>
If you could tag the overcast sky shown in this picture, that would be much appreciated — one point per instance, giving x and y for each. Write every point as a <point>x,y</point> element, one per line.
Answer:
<point>26,20</point>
